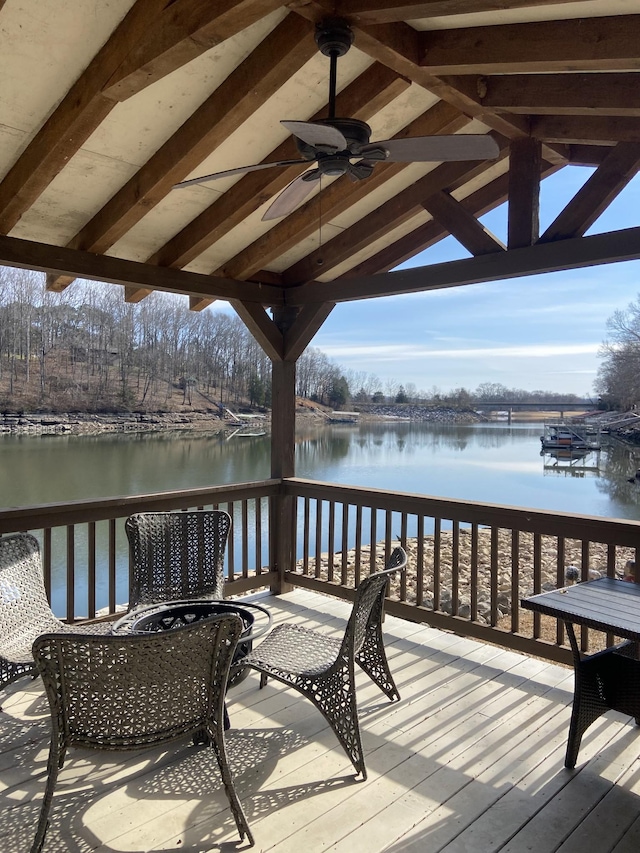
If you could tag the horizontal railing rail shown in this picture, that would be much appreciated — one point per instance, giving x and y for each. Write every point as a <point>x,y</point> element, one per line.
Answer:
<point>85,552</point>
<point>469,564</point>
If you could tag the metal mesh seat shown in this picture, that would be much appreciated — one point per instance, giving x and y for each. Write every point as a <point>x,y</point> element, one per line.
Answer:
<point>176,555</point>
<point>24,609</point>
<point>132,691</point>
<point>323,668</point>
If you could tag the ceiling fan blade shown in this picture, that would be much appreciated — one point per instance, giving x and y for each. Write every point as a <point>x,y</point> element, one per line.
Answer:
<point>240,170</point>
<point>317,135</point>
<point>422,149</point>
<point>292,195</point>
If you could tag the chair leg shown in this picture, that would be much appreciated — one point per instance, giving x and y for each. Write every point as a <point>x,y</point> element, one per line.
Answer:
<point>372,658</point>
<point>335,697</point>
<point>217,742</point>
<point>53,766</point>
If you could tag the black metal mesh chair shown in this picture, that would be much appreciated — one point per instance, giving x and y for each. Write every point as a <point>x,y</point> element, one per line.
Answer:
<point>323,668</point>
<point>24,609</point>
<point>176,555</point>
<point>133,691</point>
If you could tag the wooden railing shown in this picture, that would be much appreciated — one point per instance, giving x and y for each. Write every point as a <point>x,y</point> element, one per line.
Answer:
<point>469,563</point>
<point>85,551</point>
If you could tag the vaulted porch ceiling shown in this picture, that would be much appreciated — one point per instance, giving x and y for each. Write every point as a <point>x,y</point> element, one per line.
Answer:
<point>105,106</point>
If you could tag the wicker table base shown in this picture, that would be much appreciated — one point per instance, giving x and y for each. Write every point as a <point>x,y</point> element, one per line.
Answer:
<point>607,680</point>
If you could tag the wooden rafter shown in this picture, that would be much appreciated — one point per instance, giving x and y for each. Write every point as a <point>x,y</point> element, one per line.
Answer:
<point>613,94</point>
<point>388,11</point>
<point>369,93</point>
<point>142,32</point>
<point>389,215</point>
<point>486,198</point>
<point>400,47</point>
<point>595,130</point>
<point>183,31</point>
<point>335,200</point>
<point>585,44</point>
<point>267,68</point>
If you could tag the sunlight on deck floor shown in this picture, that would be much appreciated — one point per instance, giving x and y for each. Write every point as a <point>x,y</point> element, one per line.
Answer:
<point>469,761</point>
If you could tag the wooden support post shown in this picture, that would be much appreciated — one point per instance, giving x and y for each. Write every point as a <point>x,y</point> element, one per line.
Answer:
<point>283,427</point>
<point>524,192</point>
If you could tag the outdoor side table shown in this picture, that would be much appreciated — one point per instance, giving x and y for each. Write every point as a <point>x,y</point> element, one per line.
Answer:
<point>606,680</point>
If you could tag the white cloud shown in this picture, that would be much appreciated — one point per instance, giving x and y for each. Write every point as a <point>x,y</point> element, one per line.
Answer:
<point>400,352</point>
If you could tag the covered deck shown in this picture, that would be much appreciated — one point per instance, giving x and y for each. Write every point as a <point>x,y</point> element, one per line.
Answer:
<point>105,108</point>
<point>469,761</point>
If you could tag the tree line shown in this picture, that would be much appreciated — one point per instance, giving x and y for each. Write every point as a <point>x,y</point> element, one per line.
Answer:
<point>618,380</point>
<point>86,349</point>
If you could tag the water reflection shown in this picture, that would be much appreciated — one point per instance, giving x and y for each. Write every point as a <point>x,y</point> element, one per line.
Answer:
<point>490,464</point>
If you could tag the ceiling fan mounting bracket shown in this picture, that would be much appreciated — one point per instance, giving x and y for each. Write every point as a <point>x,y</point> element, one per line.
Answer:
<point>333,36</point>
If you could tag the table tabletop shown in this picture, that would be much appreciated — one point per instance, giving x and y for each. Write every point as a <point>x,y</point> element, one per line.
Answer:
<point>606,604</point>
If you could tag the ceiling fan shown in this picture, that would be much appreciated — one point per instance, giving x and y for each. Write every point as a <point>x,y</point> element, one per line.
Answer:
<point>341,146</point>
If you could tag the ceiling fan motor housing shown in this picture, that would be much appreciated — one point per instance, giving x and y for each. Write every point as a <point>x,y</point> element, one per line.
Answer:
<point>334,36</point>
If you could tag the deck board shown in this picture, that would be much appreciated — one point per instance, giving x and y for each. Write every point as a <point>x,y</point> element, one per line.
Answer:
<point>469,761</point>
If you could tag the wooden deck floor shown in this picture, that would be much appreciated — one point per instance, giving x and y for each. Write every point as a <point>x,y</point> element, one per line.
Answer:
<point>470,761</point>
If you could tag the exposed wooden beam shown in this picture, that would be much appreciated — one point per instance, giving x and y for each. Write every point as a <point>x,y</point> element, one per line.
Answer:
<point>132,293</point>
<point>587,155</point>
<point>197,303</point>
<point>389,215</point>
<point>387,11</point>
<point>595,130</point>
<point>262,327</point>
<point>620,166</point>
<point>283,52</point>
<point>399,47</point>
<point>367,95</point>
<point>524,193</point>
<point>487,198</point>
<point>461,224</point>
<point>614,94</point>
<point>145,28</point>
<point>184,30</point>
<point>335,199</point>
<point>561,255</point>
<point>60,260</point>
<point>584,44</point>
<point>424,236</point>
<point>305,326</point>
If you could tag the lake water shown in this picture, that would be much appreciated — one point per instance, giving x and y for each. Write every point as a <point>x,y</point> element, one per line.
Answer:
<point>492,463</point>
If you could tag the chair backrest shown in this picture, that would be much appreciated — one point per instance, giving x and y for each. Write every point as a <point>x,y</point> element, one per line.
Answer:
<point>119,692</point>
<point>24,607</point>
<point>369,603</point>
<point>176,555</point>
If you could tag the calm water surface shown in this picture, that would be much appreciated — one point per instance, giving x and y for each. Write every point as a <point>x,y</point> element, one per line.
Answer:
<point>489,463</point>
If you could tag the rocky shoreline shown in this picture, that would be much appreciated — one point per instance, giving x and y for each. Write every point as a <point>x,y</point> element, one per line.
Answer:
<point>549,569</point>
<point>91,424</point>
<point>88,423</point>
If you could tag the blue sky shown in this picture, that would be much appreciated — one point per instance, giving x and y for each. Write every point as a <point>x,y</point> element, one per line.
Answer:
<point>541,332</point>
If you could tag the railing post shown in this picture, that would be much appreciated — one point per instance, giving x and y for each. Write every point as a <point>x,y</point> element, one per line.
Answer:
<point>283,426</point>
